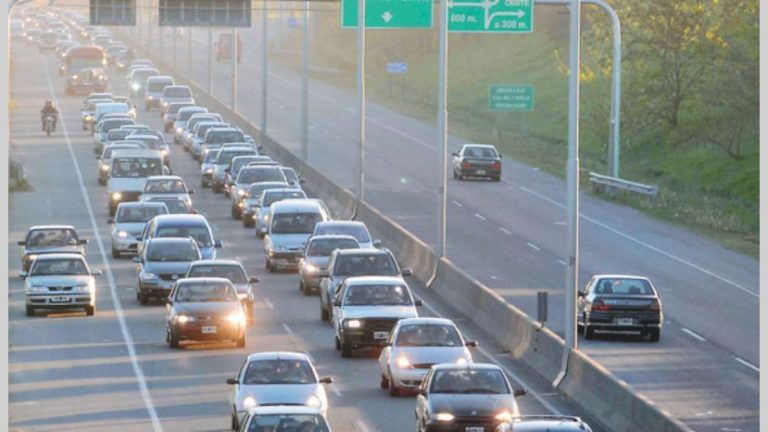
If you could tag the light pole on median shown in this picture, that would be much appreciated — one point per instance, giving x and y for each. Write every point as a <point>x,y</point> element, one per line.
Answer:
<point>361,99</point>
<point>173,47</point>
<point>264,70</point>
<point>442,130</point>
<point>234,52</point>
<point>210,61</point>
<point>305,88</point>
<point>189,55</point>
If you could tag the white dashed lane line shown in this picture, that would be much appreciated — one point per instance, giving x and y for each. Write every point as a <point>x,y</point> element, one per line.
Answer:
<point>287,328</point>
<point>533,246</point>
<point>457,204</point>
<point>505,231</point>
<point>361,426</point>
<point>693,334</point>
<point>269,303</point>
<point>479,216</point>
<point>747,364</point>
<point>562,262</point>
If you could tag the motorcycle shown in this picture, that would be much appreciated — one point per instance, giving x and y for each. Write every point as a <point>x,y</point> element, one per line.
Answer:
<point>48,124</point>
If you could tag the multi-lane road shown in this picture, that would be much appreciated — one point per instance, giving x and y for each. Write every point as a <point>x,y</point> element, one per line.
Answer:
<point>114,371</point>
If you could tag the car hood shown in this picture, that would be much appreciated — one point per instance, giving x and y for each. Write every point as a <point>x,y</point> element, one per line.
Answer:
<point>379,312</point>
<point>177,267</point>
<point>319,261</point>
<point>421,355</point>
<point>207,309</point>
<point>126,184</point>
<point>472,404</point>
<point>280,394</point>
<point>291,241</point>
<point>53,249</point>
<point>56,280</point>
<point>132,228</point>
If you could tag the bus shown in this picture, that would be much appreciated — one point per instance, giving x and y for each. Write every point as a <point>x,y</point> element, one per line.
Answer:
<point>83,67</point>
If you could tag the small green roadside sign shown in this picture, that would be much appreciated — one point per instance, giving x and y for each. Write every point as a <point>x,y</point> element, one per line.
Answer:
<point>388,14</point>
<point>490,16</point>
<point>504,97</point>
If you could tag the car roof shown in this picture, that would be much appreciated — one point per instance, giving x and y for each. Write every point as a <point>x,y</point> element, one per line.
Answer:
<point>332,237</point>
<point>140,204</point>
<point>295,205</point>
<point>237,148</point>
<point>337,223</point>
<point>205,280</point>
<point>163,240</point>
<point>222,262</point>
<point>279,355</point>
<point>63,255</point>
<point>143,136</point>
<point>183,219</point>
<point>160,77</point>
<point>41,227</point>
<point>177,86</point>
<point>136,153</point>
<point>479,145</point>
<point>283,189</point>
<point>456,366</point>
<point>379,280</point>
<point>285,409</point>
<point>426,320</point>
<point>620,276</point>
<point>379,251</point>
<point>554,423</point>
<point>165,177</point>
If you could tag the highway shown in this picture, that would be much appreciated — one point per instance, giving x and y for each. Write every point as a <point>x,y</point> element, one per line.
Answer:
<point>511,236</point>
<point>114,371</point>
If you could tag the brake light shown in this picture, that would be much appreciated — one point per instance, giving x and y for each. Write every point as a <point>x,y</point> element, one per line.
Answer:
<point>466,165</point>
<point>600,306</point>
<point>496,165</point>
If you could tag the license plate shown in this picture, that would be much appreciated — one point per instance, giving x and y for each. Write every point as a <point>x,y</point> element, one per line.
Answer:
<point>61,299</point>
<point>624,321</point>
<point>380,335</point>
<point>481,172</point>
<point>474,429</point>
<point>208,330</point>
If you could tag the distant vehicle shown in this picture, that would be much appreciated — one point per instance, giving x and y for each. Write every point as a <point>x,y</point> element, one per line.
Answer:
<point>259,208</point>
<point>175,205</point>
<point>276,378</point>
<point>46,239</point>
<point>200,130</point>
<point>50,273</point>
<point>137,79</point>
<point>291,223</point>
<point>204,309</point>
<point>224,47</point>
<point>245,178</point>
<point>81,58</point>
<point>234,272</point>
<point>161,262</point>
<point>224,162</point>
<point>128,223</point>
<point>186,226</point>
<point>206,168</point>
<point>549,423</point>
<point>180,123</point>
<point>154,87</point>
<point>356,229</point>
<point>477,160</point>
<point>169,118</point>
<point>317,253</point>
<point>239,162</point>
<point>292,176</point>
<point>104,162</point>
<point>168,187</point>
<point>175,93</point>
<point>250,202</point>
<point>130,171</point>
<point>87,80</point>
<point>620,303</point>
<point>305,419</point>
<point>89,110</point>
<point>47,41</point>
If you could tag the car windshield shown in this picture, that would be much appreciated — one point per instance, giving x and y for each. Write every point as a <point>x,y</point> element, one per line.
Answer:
<point>377,295</point>
<point>201,234</point>
<point>114,124</point>
<point>295,223</point>
<point>234,273</point>
<point>623,286</point>
<point>52,237</point>
<point>469,381</point>
<point>174,205</point>
<point>480,152</point>
<point>365,265</point>
<point>218,137</point>
<point>151,142</point>
<point>186,114</point>
<point>60,267</point>
<point>261,174</point>
<point>192,292</point>
<point>287,423</point>
<point>165,186</point>
<point>257,188</point>
<point>136,167</point>
<point>133,214</point>
<point>324,247</point>
<point>175,107</point>
<point>118,134</point>
<point>437,335</point>
<point>203,128</point>
<point>177,92</point>
<point>280,371</point>
<point>357,231</point>
<point>273,197</point>
<point>226,157</point>
<point>176,251</point>
<point>157,86</point>
<point>211,156</point>
<point>290,174</point>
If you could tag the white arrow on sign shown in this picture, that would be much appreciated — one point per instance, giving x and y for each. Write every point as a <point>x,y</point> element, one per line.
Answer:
<point>387,16</point>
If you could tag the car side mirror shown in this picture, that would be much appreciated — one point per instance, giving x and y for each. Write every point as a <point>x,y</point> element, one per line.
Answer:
<point>169,302</point>
<point>581,293</point>
<point>97,273</point>
<point>520,392</point>
<point>377,243</point>
<point>232,381</point>
<point>455,154</point>
<point>471,344</point>
<point>191,191</point>
<point>137,260</point>
<point>83,241</point>
<point>418,303</point>
<point>23,275</point>
<point>110,221</point>
<point>21,242</point>
<point>302,181</point>
<point>260,147</point>
<point>218,244</point>
<point>500,156</point>
<point>337,303</point>
<point>253,280</point>
<point>326,380</point>
<point>407,272</point>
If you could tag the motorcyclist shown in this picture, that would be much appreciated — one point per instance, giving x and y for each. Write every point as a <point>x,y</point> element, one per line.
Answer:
<point>49,109</point>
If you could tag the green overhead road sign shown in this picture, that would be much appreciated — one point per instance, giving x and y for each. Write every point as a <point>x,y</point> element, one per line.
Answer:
<point>490,16</point>
<point>388,14</point>
<point>502,97</point>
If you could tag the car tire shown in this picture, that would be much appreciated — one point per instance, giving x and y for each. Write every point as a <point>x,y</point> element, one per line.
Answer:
<point>173,339</point>
<point>497,178</point>
<point>337,344</point>
<point>323,313</point>
<point>247,224</point>
<point>115,253</point>
<point>394,391</point>
<point>90,310</point>
<point>241,341</point>
<point>455,176</point>
<point>203,183</point>
<point>654,335</point>
<point>272,268</point>
<point>102,181</point>
<point>236,214</point>
<point>143,298</point>
<point>589,333</point>
<point>30,311</point>
<point>234,423</point>
<point>215,188</point>
<point>384,382</point>
<point>301,285</point>
<point>346,350</point>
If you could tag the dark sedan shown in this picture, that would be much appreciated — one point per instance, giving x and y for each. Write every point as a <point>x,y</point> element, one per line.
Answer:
<point>475,397</point>
<point>620,303</point>
<point>204,309</point>
<point>477,160</point>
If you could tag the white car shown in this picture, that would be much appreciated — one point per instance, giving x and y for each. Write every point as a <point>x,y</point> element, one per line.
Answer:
<point>288,418</point>
<point>60,281</point>
<point>129,222</point>
<point>276,378</point>
<point>368,308</point>
<point>356,229</point>
<point>414,346</point>
<point>167,186</point>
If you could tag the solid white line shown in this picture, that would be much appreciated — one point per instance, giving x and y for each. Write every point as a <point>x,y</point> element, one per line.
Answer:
<point>505,231</point>
<point>533,246</point>
<point>642,243</point>
<point>548,406</point>
<point>693,334</point>
<point>361,426</point>
<point>748,364</point>
<point>287,329</point>
<point>479,216</point>
<point>562,262</point>
<point>458,204</point>
<point>335,389</point>
<point>269,303</point>
<point>110,277</point>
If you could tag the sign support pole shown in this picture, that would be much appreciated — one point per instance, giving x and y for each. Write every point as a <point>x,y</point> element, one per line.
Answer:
<point>442,128</point>
<point>210,61</point>
<point>233,51</point>
<point>264,60</point>
<point>305,88</point>
<point>189,55</point>
<point>361,98</point>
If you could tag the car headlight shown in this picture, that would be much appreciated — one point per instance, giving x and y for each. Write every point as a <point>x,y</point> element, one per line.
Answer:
<point>403,362</point>
<point>313,402</point>
<point>36,288</point>
<point>31,257</point>
<point>88,118</point>
<point>74,77</point>
<point>165,104</point>
<point>241,204</point>
<point>105,167</point>
<point>249,402</point>
<point>241,192</point>
<point>280,247</point>
<point>504,416</point>
<point>179,130</point>
<point>150,97</point>
<point>135,86</point>
<point>461,361</point>
<point>122,234</point>
<point>183,319</point>
<point>163,152</point>
<point>311,268</point>
<point>353,324</point>
<point>209,171</point>
<point>82,287</point>
<point>236,318</point>
<point>149,276</point>
<point>444,417</point>
<point>116,196</point>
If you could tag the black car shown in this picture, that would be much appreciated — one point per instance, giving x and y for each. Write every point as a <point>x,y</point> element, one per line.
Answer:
<point>204,309</point>
<point>620,303</point>
<point>47,239</point>
<point>476,397</point>
<point>477,160</point>
<point>545,423</point>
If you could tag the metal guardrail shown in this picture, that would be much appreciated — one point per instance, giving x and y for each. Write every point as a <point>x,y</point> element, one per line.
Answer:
<point>599,181</point>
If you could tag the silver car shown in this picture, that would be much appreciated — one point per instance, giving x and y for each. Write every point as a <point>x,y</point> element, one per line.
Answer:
<point>248,176</point>
<point>317,254</point>
<point>416,344</point>
<point>129,222</point>
<point>269,197</point>
<point>234,272</point>
<point>308,419</point>
<point>224,162</point>
<point>154,90</point>
<point>60,281</point>
<point>206,168</point>
<point>175,93</point>
<point>356,229</point>
<point>167,187</point>
<point>250,202</point>
<point>276,378</point>
<point>47,239</point>
<point>180,124</point>
<point>291,223</point>
<point>161,262</point>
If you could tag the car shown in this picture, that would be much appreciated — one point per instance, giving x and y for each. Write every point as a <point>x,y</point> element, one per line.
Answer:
<point>169,118</point>
<point>260,208</point>
<point>58,281</point>
<point>248,176</point>
<point>47,41</point>
<point>251,200</point>
<point>315,259</point>
<point>204,309</point>
<point>154,90</point>
<point>128,223</point>
<point>174,205</point>
<point>152,142</point>
<point>414,346</point>
<point>117,134</point>
<point>198,137</point>
<point>137,79</point>
<point>238,162</point>
<point>103,128</point>
<point>217,136</point>
<point>223,163</point>
<point>367,308</point>
<point>189,129</point>
<point>276,378</point>
<point>129,172</point>
<point>620,303</point>
<point>346,263</point>
<point>293,179</point>
<point>89,110</point>
<point>168,186</point>
<point>177,225</point>
<point>161,262</point>
<point>46,239</point>
<point>549,423</point>
<point>175,93</point>
<point>477,160</point>
<point>356,229</point>
<point>285,418</point>
<point>234,272</point>
<point>291,222</point>
<point>470,397</point>
<point>136,127</point>
<point>104,161</point>
<point>182,117</point>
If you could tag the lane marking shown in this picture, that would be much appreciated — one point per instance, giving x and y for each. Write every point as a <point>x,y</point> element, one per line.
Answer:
<point>479,216</point>
<point>505,231</point>
<point>335,389</point>
<point>748,364</point>
<point>693,334</point>
<point>533,246</point>
<point>644,244</point>
<point>458,204</point>
<point>105,262</point>
<point>287,328</point>
<point>269,303</point>
<point>559,223</point>
<point>562,262</point>
<point>361,426</point>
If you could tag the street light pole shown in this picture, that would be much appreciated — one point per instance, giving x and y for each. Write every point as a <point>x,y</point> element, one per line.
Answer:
<point>361,99</point>
<point>442,129</point>
<point>305,88</point>
<point>210,61</point>
<point>264,70</point>
<point>189,55</point>
<point>234,52</point>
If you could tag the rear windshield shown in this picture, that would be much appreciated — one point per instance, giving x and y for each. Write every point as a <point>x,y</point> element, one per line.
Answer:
<point>234,273</point>
<point>175,206</point>
<point>199,233</point>
<point>118,134</point>
<point>135,214</point>
<point>324,247</point>
<point>365,265</point>
<point>261,174</point>
<point>273,197</point>
<point>258,188</point>
<point>166,186</point>
<point>217,137</point>
<point>295,223</point>
<point>176,251</point>
<point>158,85</point>
<point>481,152</point>
<point>204,128</point>
<point>226,157</point>
<point>177,92</point>
<point>136,167</point>
<point>185,115</point>
<point>356,231</point>
<point>623,286</point>
<point>114,124</point>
